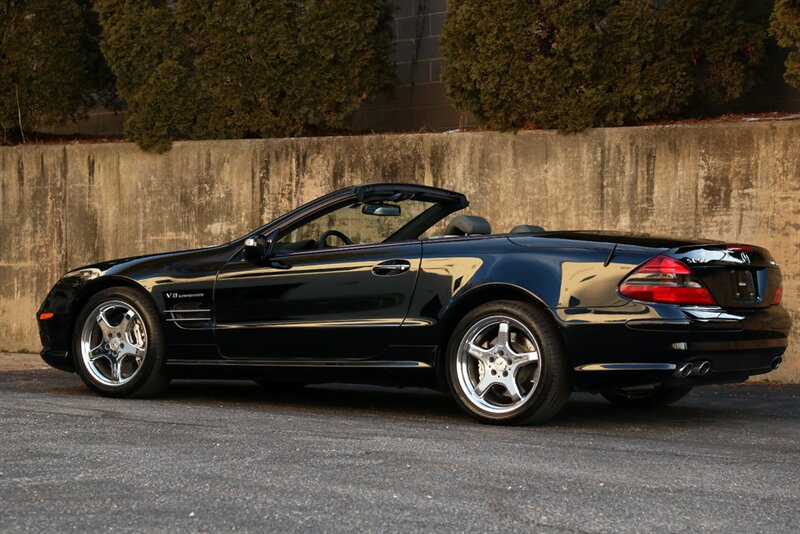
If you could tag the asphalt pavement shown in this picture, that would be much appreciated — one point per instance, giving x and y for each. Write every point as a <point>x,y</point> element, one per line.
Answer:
<point>215,456</point>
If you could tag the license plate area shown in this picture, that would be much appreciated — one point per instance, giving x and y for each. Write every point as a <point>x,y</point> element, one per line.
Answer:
<point>744,286</point>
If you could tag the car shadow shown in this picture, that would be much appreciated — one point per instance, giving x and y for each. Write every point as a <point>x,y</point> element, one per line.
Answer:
<point>335,397</point>
<point>704,406</point>
<point>583,410</point>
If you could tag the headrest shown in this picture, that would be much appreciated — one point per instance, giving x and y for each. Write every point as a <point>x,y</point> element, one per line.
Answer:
<point>468,225</point>
<point>527,229</point>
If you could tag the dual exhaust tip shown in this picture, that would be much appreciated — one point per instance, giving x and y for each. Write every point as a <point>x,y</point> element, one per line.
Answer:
<point>693,369</point>
<point>702,368</point>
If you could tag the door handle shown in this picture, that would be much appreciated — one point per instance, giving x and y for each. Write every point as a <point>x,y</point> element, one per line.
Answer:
<point>391,267</point>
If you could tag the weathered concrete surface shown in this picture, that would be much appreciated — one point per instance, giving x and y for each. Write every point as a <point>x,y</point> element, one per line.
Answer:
<point>63,206</point>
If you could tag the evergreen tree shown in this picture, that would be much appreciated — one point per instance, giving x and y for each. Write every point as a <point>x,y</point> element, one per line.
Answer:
<point>572,64</point>
<point>785,26</point>
<point>228,69</point>
<point>51,69</point>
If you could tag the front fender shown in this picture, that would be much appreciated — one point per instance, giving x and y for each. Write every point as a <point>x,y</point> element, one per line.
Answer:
<point>65,301</point>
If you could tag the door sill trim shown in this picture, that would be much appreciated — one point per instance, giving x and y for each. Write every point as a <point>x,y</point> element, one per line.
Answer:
<point>343,323</point>
<point>371,364</point>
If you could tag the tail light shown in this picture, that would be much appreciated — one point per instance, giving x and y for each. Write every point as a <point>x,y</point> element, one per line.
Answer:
<point>778,295</point>
<point>664,279</point>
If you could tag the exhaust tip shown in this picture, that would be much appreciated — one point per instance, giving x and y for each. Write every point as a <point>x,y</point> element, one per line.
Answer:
<point>776,362</point>
<point>704,368</point>
<point>684,370</point>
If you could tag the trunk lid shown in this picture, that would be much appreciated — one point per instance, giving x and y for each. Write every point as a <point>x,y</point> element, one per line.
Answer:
<point>738,276</point>
<point>563,237</point>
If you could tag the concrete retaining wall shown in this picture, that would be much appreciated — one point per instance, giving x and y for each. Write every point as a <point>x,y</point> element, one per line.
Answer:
<point>64,206</point>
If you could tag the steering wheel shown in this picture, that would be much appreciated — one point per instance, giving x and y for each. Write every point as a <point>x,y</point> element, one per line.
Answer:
<point>323,239</point>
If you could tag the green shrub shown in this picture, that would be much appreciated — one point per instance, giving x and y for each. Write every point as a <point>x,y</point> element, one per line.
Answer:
<point>51,69</point>
<point>243,68</point>
<point>572,64</point>
<point>785,26</point>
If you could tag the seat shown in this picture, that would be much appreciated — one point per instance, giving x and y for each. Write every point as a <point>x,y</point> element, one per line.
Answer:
<point>527,229</point>
<point>468,225</point>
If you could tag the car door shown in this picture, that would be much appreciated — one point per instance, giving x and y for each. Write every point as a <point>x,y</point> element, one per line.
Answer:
<point>316,304</point>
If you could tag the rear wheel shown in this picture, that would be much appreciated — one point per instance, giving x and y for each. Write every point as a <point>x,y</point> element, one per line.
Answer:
<point>118,344</point>
<point>505,364</point>
<point>649,398</point>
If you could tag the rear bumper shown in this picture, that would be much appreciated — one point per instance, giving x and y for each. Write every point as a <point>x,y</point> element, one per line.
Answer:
<point>650,344</point>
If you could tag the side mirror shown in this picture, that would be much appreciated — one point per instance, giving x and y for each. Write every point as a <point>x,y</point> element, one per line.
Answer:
<point>256,249</point>
<point>380,209</point>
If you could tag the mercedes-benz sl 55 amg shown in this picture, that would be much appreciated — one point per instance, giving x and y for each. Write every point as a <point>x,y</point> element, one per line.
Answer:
<point>382,283</point>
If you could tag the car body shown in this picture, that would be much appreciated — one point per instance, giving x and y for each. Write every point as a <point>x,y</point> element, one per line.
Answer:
<point>276,307</point>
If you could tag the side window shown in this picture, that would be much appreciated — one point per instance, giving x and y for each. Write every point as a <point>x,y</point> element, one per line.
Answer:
<point>356,223</point>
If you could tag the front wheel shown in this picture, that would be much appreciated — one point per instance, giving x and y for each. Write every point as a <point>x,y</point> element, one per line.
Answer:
<point>506,364</point>
<point>649,398</point>
<point>118,344</point>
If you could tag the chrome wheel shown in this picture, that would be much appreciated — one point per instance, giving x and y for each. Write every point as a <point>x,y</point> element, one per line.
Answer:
<point>113,343</point>
<point>498,364</point>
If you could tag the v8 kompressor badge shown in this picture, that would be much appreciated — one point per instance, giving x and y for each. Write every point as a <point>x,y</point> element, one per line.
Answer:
<point>179,295</point>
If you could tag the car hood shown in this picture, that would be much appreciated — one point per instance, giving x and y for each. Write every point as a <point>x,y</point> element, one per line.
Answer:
<point>121,266</point>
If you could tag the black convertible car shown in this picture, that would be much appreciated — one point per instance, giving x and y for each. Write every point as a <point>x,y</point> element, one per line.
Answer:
<point>368,284</point>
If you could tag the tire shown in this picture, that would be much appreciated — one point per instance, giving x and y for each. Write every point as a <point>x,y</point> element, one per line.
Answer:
<point>480,345</point>
<point>645,399</point>
<point>138,347</point>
